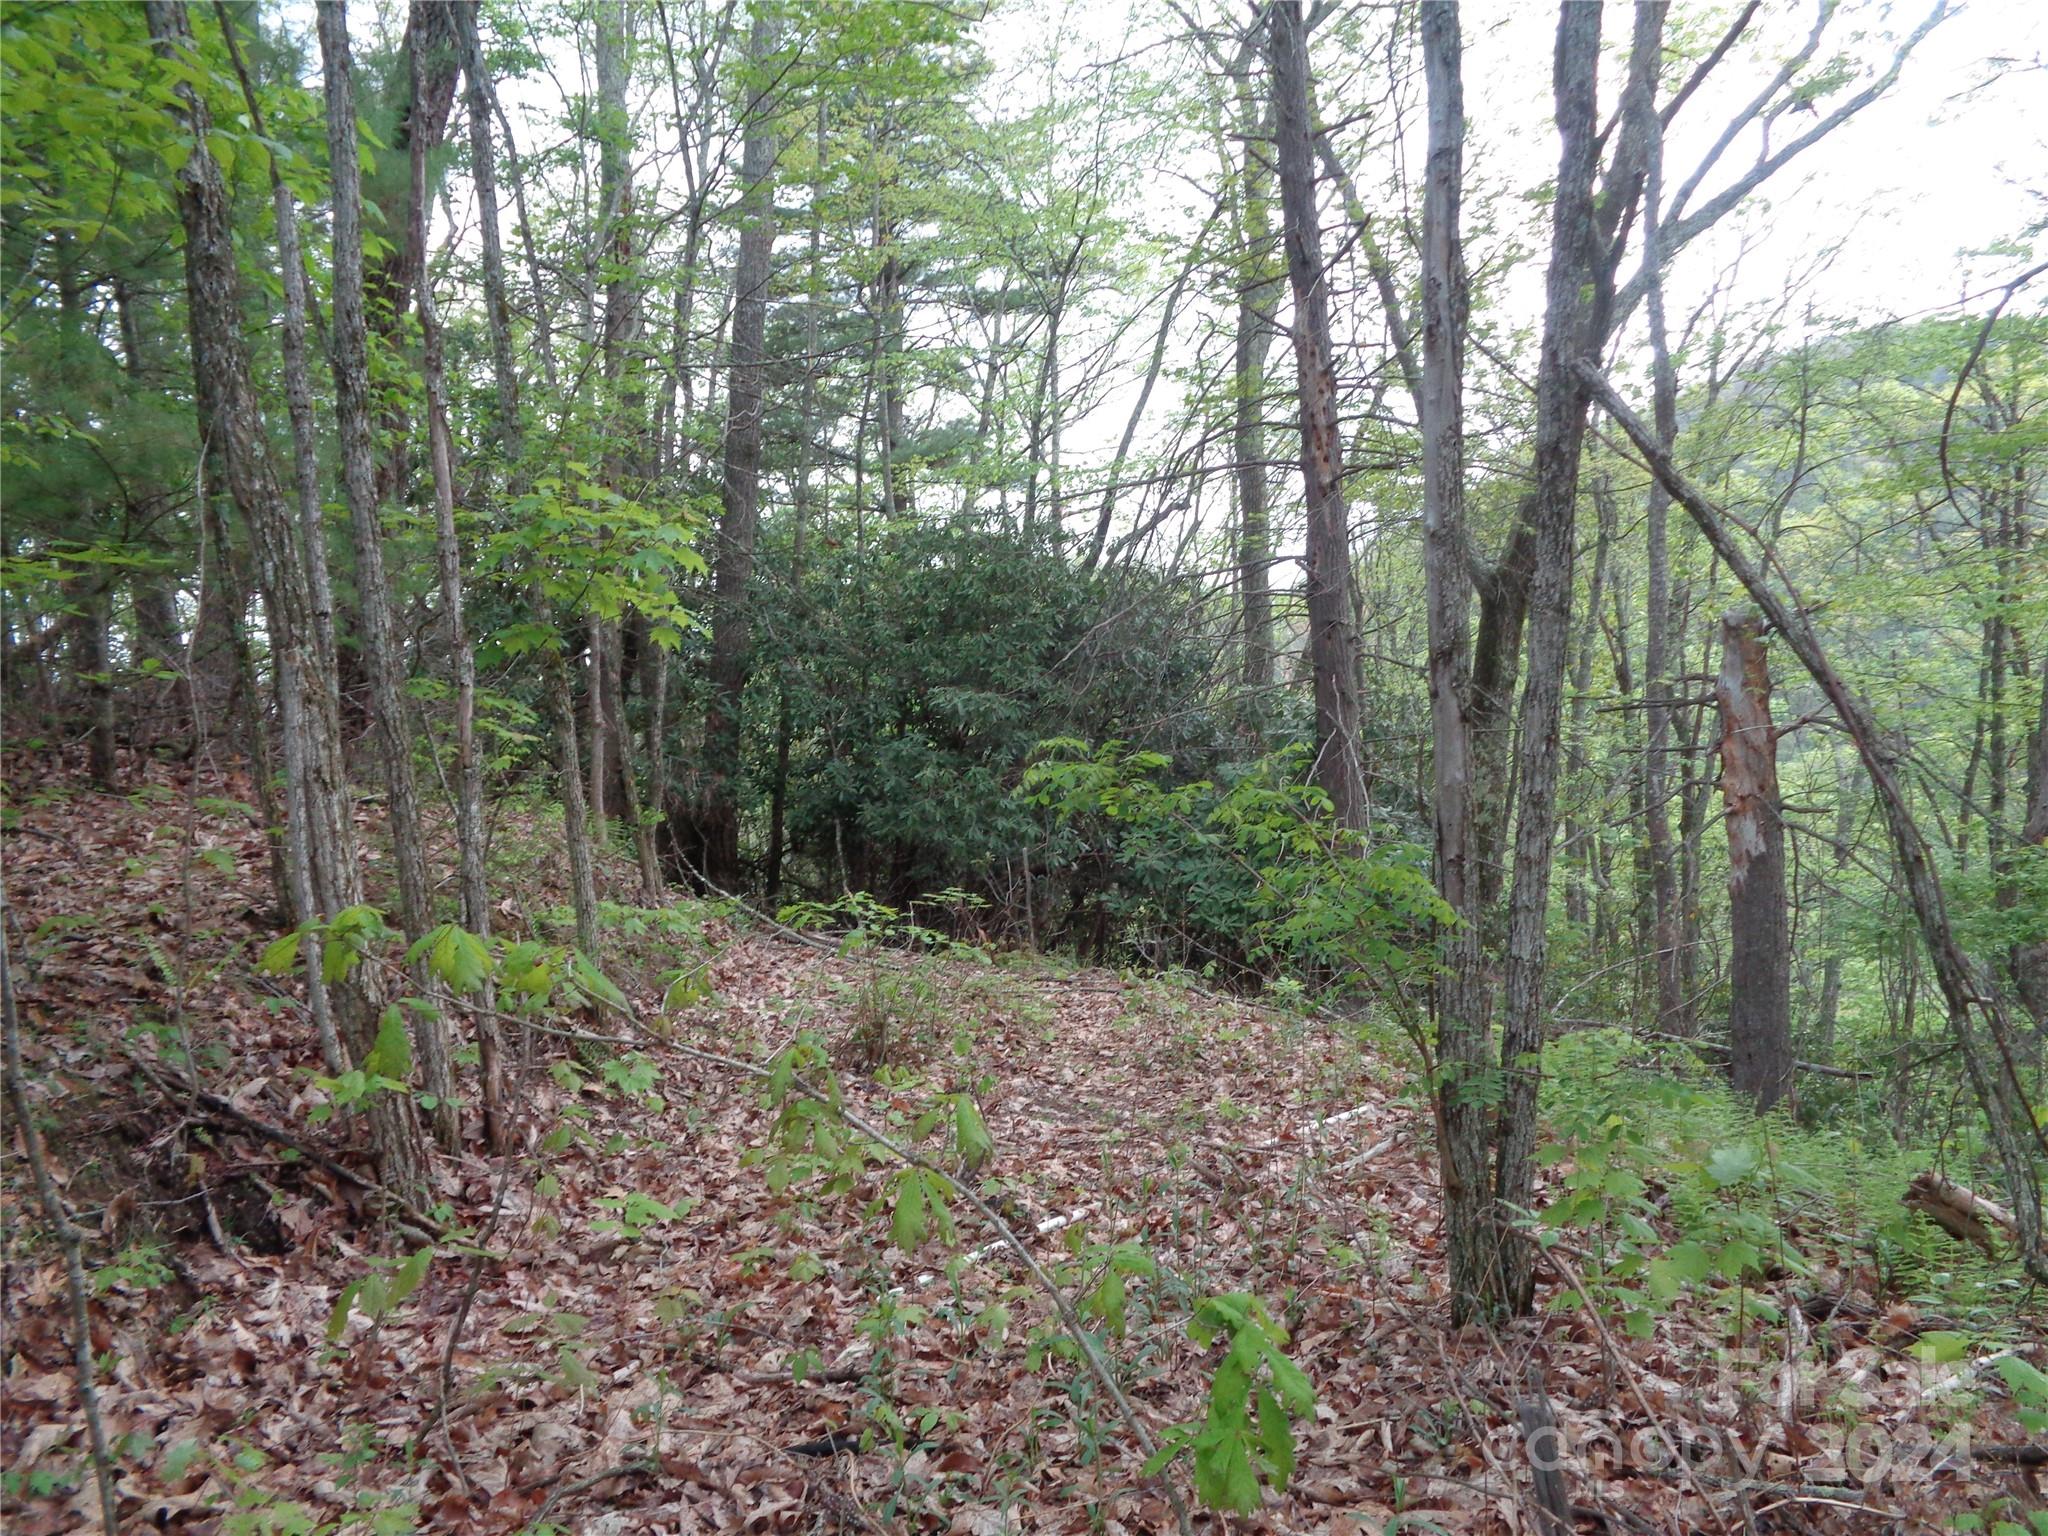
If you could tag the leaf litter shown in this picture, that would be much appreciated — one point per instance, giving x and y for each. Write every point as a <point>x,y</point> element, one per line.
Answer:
<point>656,1340</point>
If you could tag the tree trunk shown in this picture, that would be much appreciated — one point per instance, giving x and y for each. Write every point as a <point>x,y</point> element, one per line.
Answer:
<point>889,340</point>
<point>91,655</point>
<point>2030,958</point>
<point>298,385</point>
<point>389,278</point>
<point>348,348</point>
<point>611,749</point>
<point>1760,956</point>
<point>469,784</point>
<point>1848,796</point>
<point>807,409</point>
<point>1657,680</point>
<point>308,709</point>
<point>575,815</point>
<point>1462,1006</point>
<point>1575,318</point>
<point>1258,295</point>
<point>1578,837</point>
<point>159,637</point>
<point>512,445</point>
<point>731,632</point>
<point>483,170</point>
<point>1333,641</point>
<point>223,609</point>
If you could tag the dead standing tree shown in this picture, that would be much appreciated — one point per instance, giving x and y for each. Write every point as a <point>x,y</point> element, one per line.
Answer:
<point>1760,962</point>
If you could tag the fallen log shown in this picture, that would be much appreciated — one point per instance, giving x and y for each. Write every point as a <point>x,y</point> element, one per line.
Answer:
<point>1962,1213</point>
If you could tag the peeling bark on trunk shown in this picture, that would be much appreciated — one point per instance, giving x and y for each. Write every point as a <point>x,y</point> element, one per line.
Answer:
<point>1760,959</point>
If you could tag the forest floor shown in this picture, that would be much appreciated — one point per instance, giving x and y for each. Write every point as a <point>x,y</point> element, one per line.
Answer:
<point>625,1357</point>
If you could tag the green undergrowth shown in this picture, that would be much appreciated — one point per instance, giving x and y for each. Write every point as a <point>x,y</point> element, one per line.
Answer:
<point>1672,1191</point>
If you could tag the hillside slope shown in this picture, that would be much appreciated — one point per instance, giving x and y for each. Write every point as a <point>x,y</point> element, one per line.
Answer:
<point>653,1328</point>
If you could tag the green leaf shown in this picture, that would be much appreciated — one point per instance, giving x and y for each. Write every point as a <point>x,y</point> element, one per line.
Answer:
<point>689,986</point>
<point>337,1319</point>
<point>592,982</point>
<point>907,1222</point>
<point>281,955</point>
<point>2025,1380</point>
<point>577,1376</point>
<point>1295,1389</point>
<point>1171,1444</point>
<point>1224,1478</point>
<point>1941,1347</point>
<point>1731,1165</point>
<point>970,1133</point>
<point>1276,1438</point>
<point>409,1277</point>
<point>1739,1258</point>
<point>1690,1261</point>
<point>458,957</point>
<point>1108,1302</point>
<point>391,1056</point>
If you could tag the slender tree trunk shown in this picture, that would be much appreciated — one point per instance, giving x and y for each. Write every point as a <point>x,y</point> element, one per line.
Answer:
<point>889,323</point>
<point>483,170</point>
<point>512,446</point>
<point>1258,296</point>
<point>1462,1007</point>
<point>91,657</point>
<point>308,709</point>
<point>348,343</point>
<point>469,784</point>
<point>2030,957</point>
<point>1574,321</point>
<point>223,606</point>
<point>1695,790</point>
<point>1848,796</point>
<point>731,630</point>
<point>575,815</point>
<point>814,295</point>
<point>1657,680</point>
<point>298,383</point>
<point>596,678</point>
<point>159,636</point>
<point>611,749</point>
<point>1760,958</point>
<point>1578,836</point>
<point>1333,640</point>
